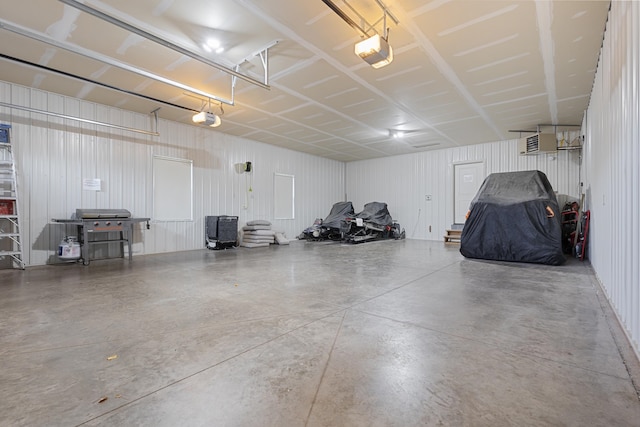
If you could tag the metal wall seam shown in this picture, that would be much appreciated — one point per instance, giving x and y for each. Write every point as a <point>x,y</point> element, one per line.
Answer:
<point>635,112</point>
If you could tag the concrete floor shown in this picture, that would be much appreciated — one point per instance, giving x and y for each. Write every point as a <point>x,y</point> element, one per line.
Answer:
<point>393,333</point>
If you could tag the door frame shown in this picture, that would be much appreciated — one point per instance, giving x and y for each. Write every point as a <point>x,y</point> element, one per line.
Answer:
<point>453,181</point>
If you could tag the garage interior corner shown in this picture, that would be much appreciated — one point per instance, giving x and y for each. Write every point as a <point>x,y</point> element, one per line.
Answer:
<point>400,332</point>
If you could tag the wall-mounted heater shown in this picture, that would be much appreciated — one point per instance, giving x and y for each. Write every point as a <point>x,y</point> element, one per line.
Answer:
<point>537,144</point>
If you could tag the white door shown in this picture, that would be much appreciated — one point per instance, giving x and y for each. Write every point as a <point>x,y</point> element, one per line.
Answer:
<point>467,180</point>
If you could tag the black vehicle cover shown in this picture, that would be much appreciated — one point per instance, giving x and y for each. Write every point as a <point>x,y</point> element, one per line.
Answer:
<point>339,211</point>
<point>514,217</point>
<point>376,212</point>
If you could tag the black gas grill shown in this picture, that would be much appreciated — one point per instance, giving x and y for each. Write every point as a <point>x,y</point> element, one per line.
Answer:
<point>92,221</point>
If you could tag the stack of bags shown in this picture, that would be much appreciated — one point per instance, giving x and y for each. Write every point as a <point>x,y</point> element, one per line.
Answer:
<point>258,233</point>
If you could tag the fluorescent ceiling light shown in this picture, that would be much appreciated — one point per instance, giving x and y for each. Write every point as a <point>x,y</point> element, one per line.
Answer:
<point>213,45</point>
<point>375,51</point>
<point>207,119</point>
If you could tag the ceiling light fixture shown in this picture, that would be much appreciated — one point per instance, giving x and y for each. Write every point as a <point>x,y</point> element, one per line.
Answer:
<point>395,134</point>
<point>213,45</point>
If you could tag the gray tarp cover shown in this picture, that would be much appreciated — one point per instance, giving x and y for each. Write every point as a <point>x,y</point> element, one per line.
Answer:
<point>377,213</point>
<point>509,220</point>
<point>339,212</point>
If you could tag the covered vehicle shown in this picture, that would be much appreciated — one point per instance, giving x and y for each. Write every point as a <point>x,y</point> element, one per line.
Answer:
<point>333,226</point>
<point>373,223</point>
<point>514,217</point>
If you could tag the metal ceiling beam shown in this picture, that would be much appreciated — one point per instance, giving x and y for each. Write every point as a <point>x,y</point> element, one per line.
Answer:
<point>365,31</point>
<point>160,41</point>
<point>91,81</point>
<point>345,17</point>
<point>79,119</point>
<point>106,60</point>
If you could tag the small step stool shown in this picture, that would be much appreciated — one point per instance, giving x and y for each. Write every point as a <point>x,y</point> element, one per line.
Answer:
<point>452,236</point>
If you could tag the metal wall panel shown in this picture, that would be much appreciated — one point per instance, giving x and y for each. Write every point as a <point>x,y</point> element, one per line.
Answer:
<point>54,155</point>
<point>404,181</point>
<point>612,157</point>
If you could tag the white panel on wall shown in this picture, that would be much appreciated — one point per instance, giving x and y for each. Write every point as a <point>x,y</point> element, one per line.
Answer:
<point>611,168</point>
<point>172,189</point>
<point>54,156</point>
<point>283,196</point>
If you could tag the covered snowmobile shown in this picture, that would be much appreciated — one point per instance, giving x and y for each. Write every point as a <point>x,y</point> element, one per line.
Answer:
<point>333,226</point>
<point>373,223</point>
<point>514,217</point>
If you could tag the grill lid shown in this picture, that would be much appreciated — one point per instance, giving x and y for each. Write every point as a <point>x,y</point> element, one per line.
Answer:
<point>102,213</point>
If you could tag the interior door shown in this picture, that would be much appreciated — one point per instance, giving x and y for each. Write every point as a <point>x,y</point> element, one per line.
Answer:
<point>467,180</point>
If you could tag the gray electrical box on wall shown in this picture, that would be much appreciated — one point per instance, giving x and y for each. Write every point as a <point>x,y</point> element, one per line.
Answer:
<point>537,144</point>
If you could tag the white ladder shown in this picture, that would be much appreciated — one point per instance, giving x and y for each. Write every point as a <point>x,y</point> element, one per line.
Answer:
<point>10,236</point>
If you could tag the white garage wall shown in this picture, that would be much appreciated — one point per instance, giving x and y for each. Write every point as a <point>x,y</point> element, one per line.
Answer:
<point>404,181</point>
<point>54,156</point>
<point>612,163</point>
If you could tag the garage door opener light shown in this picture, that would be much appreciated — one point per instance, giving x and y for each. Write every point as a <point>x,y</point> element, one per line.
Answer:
<point>206,118</point>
